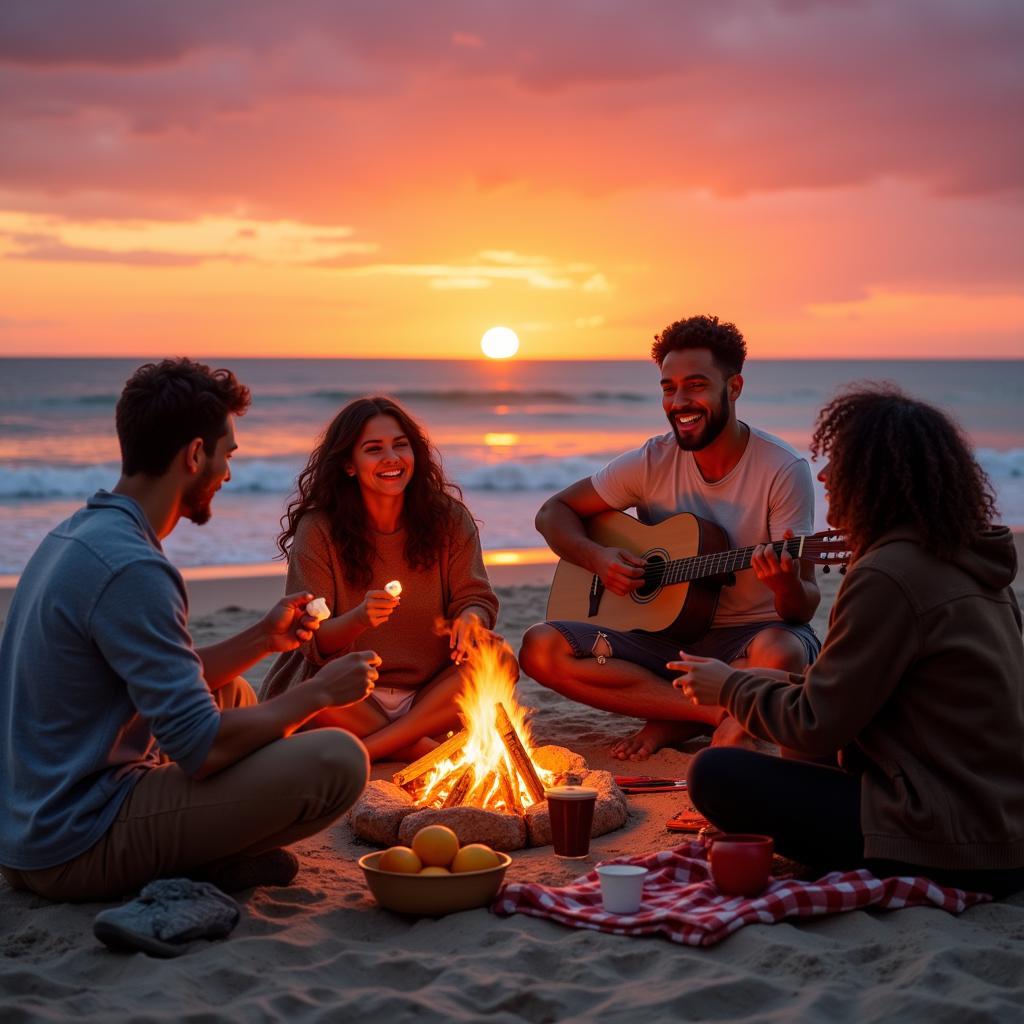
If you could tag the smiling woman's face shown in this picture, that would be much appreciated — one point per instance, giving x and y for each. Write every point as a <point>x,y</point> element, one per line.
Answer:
<point>382,459</point>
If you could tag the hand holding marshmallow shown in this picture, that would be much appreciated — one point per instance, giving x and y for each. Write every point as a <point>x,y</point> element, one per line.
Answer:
<point>317,609</point>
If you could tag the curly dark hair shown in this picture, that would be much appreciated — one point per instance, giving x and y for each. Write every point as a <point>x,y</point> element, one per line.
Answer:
<point>895,461</point>
<point>166,405</point>
<point>431,500</point>
<point>728,349</point>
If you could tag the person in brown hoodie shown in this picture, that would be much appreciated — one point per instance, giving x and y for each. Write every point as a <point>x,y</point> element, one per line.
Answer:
<point>374,507</point>
<point>919,688</point>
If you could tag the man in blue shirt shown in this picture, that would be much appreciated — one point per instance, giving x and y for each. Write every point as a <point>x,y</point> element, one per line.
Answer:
<point>126,754</point>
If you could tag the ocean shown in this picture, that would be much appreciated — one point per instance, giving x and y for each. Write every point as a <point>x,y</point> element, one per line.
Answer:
<point>510,433</point>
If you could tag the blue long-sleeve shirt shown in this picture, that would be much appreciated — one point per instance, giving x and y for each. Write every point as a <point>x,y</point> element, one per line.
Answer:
<point>97,667</point>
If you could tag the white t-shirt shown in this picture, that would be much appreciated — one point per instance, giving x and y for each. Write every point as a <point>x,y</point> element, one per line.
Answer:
<point>767,492</point>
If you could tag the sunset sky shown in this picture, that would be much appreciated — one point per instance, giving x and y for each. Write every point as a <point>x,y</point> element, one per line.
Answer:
<point>841,179</point>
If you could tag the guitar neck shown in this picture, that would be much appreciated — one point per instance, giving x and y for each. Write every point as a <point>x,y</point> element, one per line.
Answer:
<point>697,567</point>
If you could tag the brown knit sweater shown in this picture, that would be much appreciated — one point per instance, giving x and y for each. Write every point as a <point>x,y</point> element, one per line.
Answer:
<point>411,651</point>
<point>921,684</point>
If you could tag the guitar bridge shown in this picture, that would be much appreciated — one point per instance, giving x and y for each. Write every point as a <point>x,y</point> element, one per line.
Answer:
<point>596,593</point>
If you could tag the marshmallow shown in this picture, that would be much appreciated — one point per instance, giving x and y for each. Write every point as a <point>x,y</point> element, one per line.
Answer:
<point>394,588</point>
<point>317,608</point>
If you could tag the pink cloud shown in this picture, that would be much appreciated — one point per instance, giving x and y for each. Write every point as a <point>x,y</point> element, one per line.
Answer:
<point>732,97</point>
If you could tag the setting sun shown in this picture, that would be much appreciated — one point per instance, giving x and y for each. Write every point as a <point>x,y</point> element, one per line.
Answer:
<point>499,343</point>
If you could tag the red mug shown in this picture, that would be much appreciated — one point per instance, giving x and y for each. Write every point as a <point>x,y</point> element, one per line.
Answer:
<point>741,864</point>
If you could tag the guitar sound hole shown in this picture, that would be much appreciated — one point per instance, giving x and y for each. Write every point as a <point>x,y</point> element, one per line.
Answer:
<point>651,586</point>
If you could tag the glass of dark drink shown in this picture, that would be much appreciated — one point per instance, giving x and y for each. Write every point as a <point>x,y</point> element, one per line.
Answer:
<point>571,809</point>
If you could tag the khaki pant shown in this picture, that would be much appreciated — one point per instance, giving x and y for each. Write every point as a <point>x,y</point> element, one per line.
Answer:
<point>171,825</point>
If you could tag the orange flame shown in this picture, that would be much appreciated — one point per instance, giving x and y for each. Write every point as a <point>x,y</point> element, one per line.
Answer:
<point>490,673</point>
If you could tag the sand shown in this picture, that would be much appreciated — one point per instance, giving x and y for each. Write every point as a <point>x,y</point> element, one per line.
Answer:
<point>322,950</point>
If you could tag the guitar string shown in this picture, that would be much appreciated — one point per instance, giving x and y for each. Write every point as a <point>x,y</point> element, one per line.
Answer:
<point>715,563</point>
<point>720,562</point>
<point>701,567</point>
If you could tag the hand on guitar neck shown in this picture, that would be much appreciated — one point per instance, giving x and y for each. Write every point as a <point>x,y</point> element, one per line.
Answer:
<point>781,573</point>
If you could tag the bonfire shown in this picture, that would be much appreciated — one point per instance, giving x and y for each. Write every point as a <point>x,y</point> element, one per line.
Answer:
<point>489,763</point>
<point>486,780</point>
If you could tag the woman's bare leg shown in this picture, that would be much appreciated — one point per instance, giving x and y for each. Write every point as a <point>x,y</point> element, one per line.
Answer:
<point>433,712</point>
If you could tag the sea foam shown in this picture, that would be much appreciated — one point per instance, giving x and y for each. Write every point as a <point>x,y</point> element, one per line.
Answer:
<point>278,476</point>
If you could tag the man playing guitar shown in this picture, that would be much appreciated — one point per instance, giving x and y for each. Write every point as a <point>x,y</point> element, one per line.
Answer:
<point>711,464</point>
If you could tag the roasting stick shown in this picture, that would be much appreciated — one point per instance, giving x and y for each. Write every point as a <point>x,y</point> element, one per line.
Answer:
<point>648,784</point>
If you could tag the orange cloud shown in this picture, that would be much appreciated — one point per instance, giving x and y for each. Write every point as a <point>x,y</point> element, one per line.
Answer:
<point>356,172</point>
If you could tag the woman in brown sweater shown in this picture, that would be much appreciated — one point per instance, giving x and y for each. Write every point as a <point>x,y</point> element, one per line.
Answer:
<point>373,505</point>
<point>919,686</point>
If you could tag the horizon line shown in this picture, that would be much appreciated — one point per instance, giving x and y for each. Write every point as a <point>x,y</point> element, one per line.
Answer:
<point>483,360</point>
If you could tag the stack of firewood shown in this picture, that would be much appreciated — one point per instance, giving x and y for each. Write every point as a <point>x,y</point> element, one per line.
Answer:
<point>465,788</point>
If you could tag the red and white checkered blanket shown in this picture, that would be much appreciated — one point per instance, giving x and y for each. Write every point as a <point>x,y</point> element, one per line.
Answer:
<point>681,902</point>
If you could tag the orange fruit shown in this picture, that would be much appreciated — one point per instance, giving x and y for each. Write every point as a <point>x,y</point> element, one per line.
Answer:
<point>435,845</point>
<point>401,860</point>
<point>475,857</point>
<point>435,869</point>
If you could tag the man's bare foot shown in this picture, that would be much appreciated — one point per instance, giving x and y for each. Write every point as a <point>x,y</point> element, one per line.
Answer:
<point>731,734</point>
<point>655,735</point>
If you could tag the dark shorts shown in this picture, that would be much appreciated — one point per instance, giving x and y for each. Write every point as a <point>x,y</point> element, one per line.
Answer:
<point>652,651</point>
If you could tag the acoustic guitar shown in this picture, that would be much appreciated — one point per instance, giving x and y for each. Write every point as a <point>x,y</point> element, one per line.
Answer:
<point>688,562</point>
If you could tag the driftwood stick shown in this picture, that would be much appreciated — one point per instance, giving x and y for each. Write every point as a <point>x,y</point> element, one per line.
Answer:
<point>517,753</point>
<point>446,750</point>
<point>459,792</point>
<point>509,789</point>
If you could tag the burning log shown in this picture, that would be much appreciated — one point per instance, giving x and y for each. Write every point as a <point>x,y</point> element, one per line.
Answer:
<point>418,769</point>
<point>480,791</point>
<point>517,753</point>
<point>509,790</point>
<point>459,791</point>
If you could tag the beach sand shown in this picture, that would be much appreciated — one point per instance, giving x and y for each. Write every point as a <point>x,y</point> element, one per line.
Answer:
<point>322,950</point>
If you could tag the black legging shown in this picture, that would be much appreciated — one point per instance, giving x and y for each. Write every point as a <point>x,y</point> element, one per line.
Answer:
<point>813,814</point>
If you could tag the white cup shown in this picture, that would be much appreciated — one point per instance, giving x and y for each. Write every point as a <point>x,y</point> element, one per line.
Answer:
<point>621,887</point>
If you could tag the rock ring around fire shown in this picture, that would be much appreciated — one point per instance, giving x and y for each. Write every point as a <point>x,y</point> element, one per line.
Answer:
<point>387,815</point>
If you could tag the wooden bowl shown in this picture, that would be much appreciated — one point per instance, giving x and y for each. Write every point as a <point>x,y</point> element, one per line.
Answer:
<point>432,895</point>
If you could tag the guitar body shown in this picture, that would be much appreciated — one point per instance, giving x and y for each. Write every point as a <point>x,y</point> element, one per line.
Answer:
<point>682,611</point>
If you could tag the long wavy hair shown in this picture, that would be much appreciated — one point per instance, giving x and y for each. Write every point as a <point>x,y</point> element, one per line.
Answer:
<point>895,461</point>
<point>431,500</point>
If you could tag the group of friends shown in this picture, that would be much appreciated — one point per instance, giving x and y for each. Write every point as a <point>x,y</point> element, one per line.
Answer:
<point>129,754</point>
